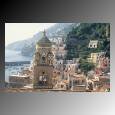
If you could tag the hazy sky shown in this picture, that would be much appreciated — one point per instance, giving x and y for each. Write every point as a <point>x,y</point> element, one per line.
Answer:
<point>20,31</point>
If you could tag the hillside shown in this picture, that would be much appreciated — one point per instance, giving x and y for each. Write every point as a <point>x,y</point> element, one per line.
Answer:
<point>78,39</point>
<point>27,47</point>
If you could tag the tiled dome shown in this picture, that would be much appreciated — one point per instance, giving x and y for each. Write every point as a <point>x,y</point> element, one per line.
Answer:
<point>44,41</point>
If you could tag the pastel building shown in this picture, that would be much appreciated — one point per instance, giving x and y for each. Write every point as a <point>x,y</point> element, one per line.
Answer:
<point>93,44</point>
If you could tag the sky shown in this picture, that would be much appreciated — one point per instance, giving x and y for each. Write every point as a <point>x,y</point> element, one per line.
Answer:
<point>20,31</point>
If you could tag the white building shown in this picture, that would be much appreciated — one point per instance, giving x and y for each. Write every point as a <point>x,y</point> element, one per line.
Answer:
<point>93,44</point>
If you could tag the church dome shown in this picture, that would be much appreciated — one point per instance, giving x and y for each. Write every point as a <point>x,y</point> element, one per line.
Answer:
<point>44,41</point>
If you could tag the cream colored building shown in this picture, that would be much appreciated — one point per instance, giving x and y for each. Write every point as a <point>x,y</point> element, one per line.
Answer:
<point>93,44</point>
<point>94,57</point>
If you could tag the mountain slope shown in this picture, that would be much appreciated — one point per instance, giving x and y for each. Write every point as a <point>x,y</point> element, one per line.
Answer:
<point>27,47</point>
<point>78,39</point>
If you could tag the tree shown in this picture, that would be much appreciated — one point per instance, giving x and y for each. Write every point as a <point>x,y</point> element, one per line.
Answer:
<point>79,37</point>
<point>86,66</point>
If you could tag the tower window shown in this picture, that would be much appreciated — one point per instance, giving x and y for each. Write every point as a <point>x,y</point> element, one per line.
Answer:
<point>43,59</point>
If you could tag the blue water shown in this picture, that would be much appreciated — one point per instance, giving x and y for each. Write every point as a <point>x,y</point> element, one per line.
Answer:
<point>13,56</point>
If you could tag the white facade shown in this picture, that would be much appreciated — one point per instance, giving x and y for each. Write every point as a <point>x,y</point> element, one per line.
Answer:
<point>93,44</point>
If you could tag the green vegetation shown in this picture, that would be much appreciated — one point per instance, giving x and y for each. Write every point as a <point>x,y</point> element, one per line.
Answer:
<point>78,39</point>
<point>86,66</point>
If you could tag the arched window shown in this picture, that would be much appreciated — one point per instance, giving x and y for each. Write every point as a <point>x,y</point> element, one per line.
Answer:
<point>43,59</point>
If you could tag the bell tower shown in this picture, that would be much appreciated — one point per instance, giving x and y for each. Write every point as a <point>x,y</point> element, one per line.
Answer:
<point>43,64</point>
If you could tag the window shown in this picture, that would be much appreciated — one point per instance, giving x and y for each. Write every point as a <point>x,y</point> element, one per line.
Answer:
<point>43,59</point>
<point>90,45</point>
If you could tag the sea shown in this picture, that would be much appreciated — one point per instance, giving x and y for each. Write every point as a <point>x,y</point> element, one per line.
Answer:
<point>14,56</point>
